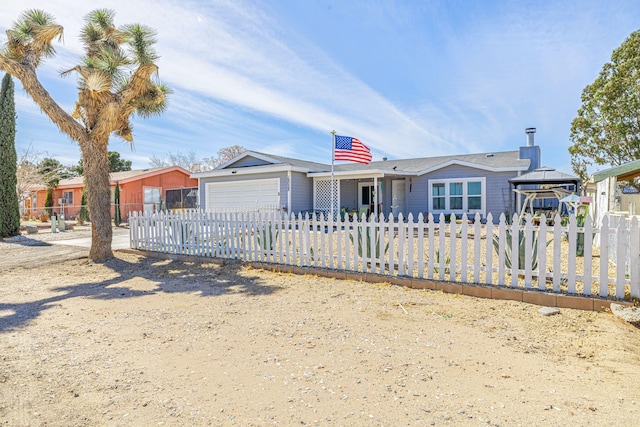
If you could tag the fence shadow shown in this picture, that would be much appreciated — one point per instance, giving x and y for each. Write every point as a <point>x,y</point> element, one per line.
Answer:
<point>165,276</point>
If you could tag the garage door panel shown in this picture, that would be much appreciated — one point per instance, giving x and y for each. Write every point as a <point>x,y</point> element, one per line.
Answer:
<point>243,194</point>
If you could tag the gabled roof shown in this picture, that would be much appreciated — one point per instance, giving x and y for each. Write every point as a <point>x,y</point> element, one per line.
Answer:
<point>273,163</point>
<point>505,161</point>
<point>545,175</point>
<point>498,161</point>
<point>622,173</point>
<point>122,177</point>
<point>273,159</point>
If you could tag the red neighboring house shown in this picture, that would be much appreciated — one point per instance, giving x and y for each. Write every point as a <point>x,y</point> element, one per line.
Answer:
<point>140,190</point>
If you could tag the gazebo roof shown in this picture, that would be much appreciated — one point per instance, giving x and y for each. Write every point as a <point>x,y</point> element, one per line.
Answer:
<point>545,175</point>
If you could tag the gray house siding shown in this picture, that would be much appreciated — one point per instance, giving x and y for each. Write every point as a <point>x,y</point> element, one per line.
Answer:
<point>497,190</point>
<point>349,194</point>
<point>301,192</point>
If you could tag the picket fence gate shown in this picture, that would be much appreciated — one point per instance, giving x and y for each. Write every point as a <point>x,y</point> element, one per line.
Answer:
<point>552,258</point>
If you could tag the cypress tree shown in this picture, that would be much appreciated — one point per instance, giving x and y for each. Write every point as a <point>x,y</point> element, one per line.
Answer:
<point>117,215</point>
<point>83,215</point>
<point>9,205</point>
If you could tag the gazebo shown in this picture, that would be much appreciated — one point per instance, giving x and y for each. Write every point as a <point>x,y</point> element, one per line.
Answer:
<point>542,183</point>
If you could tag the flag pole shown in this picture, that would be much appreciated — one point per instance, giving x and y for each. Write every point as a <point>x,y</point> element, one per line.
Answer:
<point>333,158</point>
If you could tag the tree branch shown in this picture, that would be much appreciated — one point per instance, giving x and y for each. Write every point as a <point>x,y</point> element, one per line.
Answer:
<point>32,85</point>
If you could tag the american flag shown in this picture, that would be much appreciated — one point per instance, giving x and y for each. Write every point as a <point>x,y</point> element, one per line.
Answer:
<point>351,150</point>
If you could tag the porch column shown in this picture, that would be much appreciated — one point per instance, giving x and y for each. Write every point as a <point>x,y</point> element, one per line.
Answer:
<point>375,197</point>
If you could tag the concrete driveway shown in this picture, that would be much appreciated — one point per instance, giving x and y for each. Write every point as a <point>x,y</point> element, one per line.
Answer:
<point>120,240</point>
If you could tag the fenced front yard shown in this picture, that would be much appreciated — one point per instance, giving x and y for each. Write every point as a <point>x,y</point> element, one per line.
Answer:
<point>527,254</point>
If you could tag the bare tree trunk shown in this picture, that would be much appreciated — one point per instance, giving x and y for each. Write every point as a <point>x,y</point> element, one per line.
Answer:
<point>96,166</point>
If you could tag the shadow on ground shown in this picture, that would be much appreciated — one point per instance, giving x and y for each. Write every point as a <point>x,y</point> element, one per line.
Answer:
<point>202,278</point>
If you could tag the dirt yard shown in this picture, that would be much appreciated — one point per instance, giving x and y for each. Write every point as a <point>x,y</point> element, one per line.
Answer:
<point>143,341</point>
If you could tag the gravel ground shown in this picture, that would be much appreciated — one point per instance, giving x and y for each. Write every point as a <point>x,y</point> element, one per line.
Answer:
<point>142,341</point>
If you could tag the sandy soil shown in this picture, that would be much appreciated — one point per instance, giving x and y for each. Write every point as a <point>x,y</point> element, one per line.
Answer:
<point>142,341</point>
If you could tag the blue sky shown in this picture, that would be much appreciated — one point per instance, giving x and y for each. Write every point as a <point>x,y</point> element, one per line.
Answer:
<point>408,78</point>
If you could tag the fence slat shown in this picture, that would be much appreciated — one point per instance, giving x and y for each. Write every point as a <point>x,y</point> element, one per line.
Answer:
<point>542,253</point>
<point>634,257</point>
<point>557,254</point>
<point>621,257</point>
<point>464,243</point>
<point>453,233</point>
<point>477,230</point>
<point>528,253</point>
<point>401,245</point>
<point>489,237</point>
<point>571,261</point>
<point>515,250</point>
<point>604,257</point>
<point>502,243</point>
<point>440,254</point>
<point>420,246</point>
<point>410,231</point>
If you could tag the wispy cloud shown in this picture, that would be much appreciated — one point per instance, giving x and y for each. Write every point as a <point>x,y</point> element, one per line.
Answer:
<point>441,78</point>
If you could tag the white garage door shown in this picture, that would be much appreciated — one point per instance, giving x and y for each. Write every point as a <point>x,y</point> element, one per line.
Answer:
<point>248,195</point>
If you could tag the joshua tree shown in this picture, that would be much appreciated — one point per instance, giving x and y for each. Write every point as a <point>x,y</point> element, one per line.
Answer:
<point>116,79</point>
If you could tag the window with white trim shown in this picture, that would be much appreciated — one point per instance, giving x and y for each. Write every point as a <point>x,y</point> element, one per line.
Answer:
<point>68,197</point>
<point>457,195</point>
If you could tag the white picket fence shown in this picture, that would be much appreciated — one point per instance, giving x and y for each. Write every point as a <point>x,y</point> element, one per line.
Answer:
<point>467,251</point>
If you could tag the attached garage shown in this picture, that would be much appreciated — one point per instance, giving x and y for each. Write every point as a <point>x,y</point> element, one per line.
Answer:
<point>246,195</point>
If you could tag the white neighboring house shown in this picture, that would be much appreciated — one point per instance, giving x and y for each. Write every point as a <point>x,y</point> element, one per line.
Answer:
<point>608,198</point>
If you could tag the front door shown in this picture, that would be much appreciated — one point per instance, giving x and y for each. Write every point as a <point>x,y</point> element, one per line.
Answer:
<point>366,196</point>
<point>398,197</point>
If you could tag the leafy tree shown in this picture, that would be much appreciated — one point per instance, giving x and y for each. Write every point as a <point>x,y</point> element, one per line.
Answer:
<point>116,80</point>
<point>607,129</point>
<point>9,205</point>
<point>116,164</point>
<point>52,171</point>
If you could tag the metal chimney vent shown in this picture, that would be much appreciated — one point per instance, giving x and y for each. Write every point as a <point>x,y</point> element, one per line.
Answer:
<point>530,132</point>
